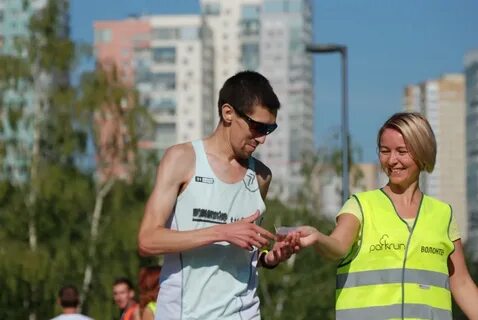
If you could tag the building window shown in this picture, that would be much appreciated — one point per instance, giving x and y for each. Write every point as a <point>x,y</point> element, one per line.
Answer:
<point>164,103</point>
<point>211,9</point>
<point>189,33</point>
<point>142,70</point>
<point>250,27</point>
<point>250,56</point>
<point>102,35</point>
<point>274,6</point>
<point>250,12</point>
<point>165,80</point>
<point>166,55</point>
<point>295,6</point>
<point>25,5</point>
<point>166,33</point>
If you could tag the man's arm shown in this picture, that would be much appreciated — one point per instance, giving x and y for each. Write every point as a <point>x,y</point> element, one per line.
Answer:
<point>174,172</point>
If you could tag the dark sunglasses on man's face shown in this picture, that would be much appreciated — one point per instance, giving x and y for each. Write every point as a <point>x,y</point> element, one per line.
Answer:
<point>259,127</point>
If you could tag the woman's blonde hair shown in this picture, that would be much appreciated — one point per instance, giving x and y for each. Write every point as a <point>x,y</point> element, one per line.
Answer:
<point>418,136</point>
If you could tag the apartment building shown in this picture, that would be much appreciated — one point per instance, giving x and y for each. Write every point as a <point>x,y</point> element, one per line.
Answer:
<point>18,115</point>
<point>270,36</point>
<point>169,60</point>
<point>471,82</point>
<point>188,57</point>
<point>442,101</point>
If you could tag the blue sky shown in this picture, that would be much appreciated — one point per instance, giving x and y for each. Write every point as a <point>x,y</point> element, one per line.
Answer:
<point>391,44</point>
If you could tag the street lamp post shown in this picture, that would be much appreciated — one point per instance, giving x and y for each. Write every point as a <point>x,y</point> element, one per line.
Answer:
<point>332,48</point>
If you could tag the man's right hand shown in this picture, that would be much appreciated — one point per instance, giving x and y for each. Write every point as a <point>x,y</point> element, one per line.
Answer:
<point>245,233</point>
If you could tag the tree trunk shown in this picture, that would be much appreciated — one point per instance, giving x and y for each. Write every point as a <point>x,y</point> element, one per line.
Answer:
<point>95,221</point>
<point>40,85</point>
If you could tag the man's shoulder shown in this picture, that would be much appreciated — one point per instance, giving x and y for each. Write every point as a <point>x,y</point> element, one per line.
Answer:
<point>179,150</point>
<point>177,164</point>
<point>179,154</point>
<point>262,170</point>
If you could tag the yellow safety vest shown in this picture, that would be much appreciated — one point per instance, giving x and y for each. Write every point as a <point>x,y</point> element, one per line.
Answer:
<point>397,272</point>
<point>152,306</point>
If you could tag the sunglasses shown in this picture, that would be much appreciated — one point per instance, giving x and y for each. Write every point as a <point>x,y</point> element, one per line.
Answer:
<point>259,127</point>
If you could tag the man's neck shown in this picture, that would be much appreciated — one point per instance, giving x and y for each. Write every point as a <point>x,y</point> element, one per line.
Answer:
<point>219,143</point>
<point>69,310</point>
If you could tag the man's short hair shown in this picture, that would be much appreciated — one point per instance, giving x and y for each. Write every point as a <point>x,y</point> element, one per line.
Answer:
<point>124,280</point>
<point>69,297</point>
<point>245,90</point>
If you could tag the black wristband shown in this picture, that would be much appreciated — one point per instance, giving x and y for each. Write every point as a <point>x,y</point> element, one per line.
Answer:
<point>262,260</point>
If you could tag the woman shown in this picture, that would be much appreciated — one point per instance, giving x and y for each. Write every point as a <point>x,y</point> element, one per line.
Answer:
<point>148,291</point>
<point>400,250</point>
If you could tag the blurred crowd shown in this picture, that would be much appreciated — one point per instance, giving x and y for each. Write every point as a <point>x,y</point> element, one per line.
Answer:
<point>130,305</point>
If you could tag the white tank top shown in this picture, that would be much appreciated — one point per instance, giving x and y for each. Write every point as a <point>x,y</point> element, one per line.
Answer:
<point>217,281</point>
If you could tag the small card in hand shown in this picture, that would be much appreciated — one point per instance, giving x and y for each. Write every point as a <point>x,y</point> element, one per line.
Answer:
<point>283,231</point>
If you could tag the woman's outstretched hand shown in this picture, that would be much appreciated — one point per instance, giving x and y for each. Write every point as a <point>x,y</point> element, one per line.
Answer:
<point>308,236</point>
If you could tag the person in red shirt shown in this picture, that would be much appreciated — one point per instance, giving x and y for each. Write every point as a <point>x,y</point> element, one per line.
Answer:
<point>123,295</point>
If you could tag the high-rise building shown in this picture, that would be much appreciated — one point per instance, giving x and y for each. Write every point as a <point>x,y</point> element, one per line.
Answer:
<point>183,63</point>
<point>17,115</point>
<point>442,101</point>
<point>116,43</point>
<point>168,58</point>
<point>189,57</point>
<point>270,36</point>
<point>177,82</point>
<point>471,75</point>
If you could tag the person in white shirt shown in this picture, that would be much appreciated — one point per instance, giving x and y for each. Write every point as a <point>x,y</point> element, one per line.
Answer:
<point>69,299</point>
<point>205,210</point>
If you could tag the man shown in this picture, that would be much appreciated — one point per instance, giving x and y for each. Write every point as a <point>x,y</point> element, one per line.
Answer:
<point>123,295</point>
<point>203,211</point>
<point>69,300</point>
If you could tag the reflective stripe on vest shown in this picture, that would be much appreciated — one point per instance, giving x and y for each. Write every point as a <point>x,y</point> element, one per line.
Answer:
<point>397,272</point>
<point>415,311</point>
<point>366,278</point>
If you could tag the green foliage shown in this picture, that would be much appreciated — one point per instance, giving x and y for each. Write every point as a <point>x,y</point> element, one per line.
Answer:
<point>60,218</point>
<point>64,210</point>
<point>49,47</point>
<point>303,287</point>
<point>59,200</point>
